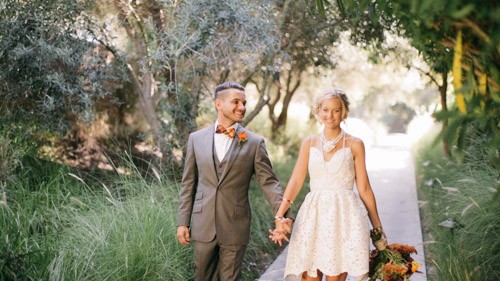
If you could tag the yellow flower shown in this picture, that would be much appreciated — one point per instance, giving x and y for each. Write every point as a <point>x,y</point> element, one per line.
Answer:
<point>414,266</point>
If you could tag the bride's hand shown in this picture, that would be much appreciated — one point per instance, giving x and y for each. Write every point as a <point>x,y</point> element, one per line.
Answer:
<point>277,236</point>
<point>287,225</point>
<point>283,226</point>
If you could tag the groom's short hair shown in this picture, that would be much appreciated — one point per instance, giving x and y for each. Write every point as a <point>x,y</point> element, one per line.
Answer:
<point>227,85</point>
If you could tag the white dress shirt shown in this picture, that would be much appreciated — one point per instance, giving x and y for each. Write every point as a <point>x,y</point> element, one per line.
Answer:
<point>222,142</point>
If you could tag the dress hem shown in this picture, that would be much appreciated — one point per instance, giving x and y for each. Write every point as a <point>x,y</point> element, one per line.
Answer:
<point>358,276</point>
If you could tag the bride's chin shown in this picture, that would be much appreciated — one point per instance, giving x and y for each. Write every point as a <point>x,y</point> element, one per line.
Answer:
<point>331,125</point>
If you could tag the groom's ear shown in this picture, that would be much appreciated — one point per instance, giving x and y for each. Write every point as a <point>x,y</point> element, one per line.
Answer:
<point>218,104</point>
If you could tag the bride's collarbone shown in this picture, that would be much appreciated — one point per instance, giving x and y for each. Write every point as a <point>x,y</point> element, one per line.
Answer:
<point>333,151</point>
<point>328,156</point>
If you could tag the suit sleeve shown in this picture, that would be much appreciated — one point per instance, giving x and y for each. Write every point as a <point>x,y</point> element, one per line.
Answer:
<point>188,186</point>
<point>267,179</point>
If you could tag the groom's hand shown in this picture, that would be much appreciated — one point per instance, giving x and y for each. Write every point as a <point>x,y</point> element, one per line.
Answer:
<point>283,227</point>
<point>287,225</point>
<point>277,236</point>
<point>183,235</point>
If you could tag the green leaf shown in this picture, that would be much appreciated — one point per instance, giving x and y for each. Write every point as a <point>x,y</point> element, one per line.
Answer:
<point>321,8</point>
<point>495,14</point>
<point>425,5</point>
<point>496,96</point>
<point>414,5</point>
<point>461,138</point>
<point>341,7</point>
<point>453,127</point>
<point>465,11</point>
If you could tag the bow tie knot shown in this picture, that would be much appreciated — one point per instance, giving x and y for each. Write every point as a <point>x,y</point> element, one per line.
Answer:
<point>222,130</point>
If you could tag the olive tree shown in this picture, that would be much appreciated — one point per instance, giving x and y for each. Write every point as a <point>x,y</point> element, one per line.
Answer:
<point>52,72</point>
<point>137,68</point>
<point>176,51</point>
<point>305,45</point>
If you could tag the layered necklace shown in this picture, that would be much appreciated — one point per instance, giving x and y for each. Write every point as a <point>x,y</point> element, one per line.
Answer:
<point>331,145</point>
<point>328,146</point>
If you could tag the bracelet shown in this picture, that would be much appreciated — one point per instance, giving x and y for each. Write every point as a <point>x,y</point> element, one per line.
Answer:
<point>286,200</point>
<point>278,218</point>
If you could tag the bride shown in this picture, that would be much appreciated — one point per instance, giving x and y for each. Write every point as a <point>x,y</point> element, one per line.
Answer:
<point>331,234</point>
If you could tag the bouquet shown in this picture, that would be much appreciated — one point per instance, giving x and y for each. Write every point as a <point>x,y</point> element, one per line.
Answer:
<point>392,262</point>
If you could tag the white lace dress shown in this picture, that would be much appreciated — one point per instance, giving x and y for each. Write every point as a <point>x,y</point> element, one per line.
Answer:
<point>331,232</point>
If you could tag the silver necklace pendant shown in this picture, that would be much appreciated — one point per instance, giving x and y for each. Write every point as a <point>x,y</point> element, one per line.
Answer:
<point>328,146</point>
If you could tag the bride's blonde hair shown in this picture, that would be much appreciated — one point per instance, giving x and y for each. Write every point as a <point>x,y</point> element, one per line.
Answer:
<point>334,93</point>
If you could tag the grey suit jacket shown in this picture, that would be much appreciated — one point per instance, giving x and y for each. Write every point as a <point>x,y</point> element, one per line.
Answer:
<point>221,207</point>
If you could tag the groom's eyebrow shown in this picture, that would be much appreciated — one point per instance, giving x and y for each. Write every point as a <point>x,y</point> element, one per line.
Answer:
<point>244,101</point>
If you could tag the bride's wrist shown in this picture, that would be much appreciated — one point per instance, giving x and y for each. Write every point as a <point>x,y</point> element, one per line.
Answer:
<point>279,218</point>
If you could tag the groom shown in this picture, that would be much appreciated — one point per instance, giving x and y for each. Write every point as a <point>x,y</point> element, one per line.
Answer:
<point>220,162</point>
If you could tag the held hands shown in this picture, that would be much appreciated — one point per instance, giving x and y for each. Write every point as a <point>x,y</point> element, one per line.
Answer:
<point>283,226</point>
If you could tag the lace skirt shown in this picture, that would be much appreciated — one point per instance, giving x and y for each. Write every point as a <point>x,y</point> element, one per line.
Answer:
<point>331,234</point>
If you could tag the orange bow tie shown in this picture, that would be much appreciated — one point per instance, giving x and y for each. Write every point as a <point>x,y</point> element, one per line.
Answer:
<point>222,130</point>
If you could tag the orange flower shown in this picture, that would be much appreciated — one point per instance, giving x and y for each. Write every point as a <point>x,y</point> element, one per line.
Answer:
<point>399,269</point>
<point>242,137</point>
<point>403,249</point>
<point>394,263</point>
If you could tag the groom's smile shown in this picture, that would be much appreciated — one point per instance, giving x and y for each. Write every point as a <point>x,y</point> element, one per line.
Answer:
<point>231,107</point>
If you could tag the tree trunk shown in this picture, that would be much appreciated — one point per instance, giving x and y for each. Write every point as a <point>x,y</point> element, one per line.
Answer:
<point>282,118</point>
<point>263,100</point>
<point>442,92</point>
<point>144,90</point>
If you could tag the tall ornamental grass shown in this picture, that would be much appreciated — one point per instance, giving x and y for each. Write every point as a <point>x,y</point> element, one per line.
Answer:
<point>461,212</point>
<point>125,232</point>
<point>31,216</point>
<point>60,224</point>
<point>129,239</point>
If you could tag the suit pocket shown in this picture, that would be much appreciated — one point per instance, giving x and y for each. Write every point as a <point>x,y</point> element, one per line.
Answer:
<point>197,202</point>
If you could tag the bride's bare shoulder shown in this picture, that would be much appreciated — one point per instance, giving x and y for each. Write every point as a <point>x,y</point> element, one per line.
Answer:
<point>310,141</point>
<point>354,142</point>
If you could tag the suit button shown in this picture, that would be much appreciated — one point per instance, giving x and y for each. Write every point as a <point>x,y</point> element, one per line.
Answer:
<point>219,174</point>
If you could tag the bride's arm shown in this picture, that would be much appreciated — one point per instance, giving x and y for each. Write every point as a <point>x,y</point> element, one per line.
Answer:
<point>295,183</point>
<point>297,178</point>
<point>363,183</point>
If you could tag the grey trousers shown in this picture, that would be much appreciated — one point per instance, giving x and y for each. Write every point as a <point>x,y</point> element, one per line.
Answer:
<point>217,262</point>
